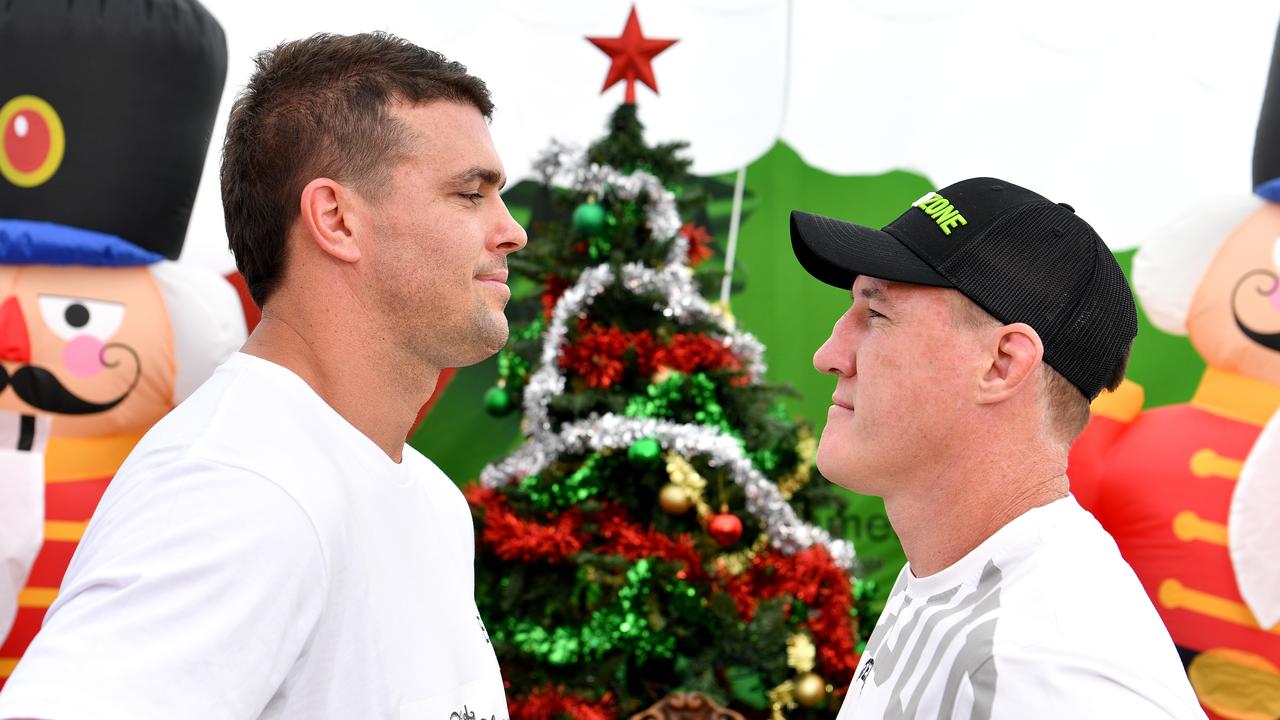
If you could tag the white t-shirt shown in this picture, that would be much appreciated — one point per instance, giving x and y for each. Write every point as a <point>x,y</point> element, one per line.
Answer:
<point>258,557</point>
<point>1042,621</point>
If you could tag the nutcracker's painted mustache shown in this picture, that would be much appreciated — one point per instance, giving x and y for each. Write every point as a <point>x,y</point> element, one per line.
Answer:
<point>42,390</point>
<point>1271,341</point>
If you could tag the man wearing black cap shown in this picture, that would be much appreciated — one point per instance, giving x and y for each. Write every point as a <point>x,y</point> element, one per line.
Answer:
<point>984,319</point>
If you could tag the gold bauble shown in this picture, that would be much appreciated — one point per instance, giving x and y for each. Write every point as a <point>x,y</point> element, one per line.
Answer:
<point>811,689</point>
<point>675,499</point>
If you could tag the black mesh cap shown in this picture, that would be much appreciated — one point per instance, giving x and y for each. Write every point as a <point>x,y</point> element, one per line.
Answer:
<point>1019,256</point>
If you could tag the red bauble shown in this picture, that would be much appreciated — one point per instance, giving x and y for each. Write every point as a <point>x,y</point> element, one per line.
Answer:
<point>726,528</point>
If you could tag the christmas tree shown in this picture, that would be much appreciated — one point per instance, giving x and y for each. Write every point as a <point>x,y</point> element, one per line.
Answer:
<point>648,537</point>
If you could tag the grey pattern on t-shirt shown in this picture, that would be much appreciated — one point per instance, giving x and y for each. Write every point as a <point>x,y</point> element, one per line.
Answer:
<point>901,660</point>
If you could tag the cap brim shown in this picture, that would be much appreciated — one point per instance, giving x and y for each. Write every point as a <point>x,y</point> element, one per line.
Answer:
<point>836,252</point>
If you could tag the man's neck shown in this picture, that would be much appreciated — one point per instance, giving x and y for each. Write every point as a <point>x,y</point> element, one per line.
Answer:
<point>955,514</point>
<point>380,398</point>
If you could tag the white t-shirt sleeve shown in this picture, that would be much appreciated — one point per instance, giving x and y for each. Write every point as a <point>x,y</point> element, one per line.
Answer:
<point>1057,686</point>
<point>193,592</point>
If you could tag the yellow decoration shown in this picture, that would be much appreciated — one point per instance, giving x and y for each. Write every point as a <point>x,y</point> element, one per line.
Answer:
<point>806,451</point>
<point>811,689</point>
<point>1237,397</point>
<point>52,159</point>
<point>1206,463</point>
<point>1122,404</point>
<point>1236,684</point>
<point>726,313</point>
<point>782,697</point>
<point>675,499</point>
<point>735,563</point>
<point>684,476</point>
<point>73,459</point>
<point>801,653</point>
<point>1189,527</point>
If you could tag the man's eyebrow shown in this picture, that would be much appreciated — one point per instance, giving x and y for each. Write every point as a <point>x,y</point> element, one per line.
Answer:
<point>872,293</point>
<point>486,175</point>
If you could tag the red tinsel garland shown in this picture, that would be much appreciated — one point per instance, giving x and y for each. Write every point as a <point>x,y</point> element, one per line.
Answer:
<point>554,288</point>
<point>642,343</point>
<point>551,703</point>
<point>810,575</point>
<point>513,538</point>
<point>633,542</point>
<point>598,354</point>
<point>691,352</point>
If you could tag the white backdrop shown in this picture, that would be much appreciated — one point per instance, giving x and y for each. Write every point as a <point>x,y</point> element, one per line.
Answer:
<point>1128,111</point>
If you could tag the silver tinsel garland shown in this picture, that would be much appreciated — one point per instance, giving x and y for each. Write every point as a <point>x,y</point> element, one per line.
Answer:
<point>563,165</point>
<point>680,302</point>
<point>615,432</point>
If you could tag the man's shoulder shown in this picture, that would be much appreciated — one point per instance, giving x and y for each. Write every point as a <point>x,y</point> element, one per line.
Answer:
<point>1073,558</point>
<point>240,427</point>
<point>1077,606</point>
<point>240,417</point>
<point>1069,545</point>
<point>1074,589</point>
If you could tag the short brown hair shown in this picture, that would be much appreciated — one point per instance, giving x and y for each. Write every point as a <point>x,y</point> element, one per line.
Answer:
<point>1068,407</point>
<point>319,108</point>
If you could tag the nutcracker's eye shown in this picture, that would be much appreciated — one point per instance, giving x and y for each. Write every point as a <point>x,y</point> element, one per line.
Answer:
<point>32,141</point>
<point>71,317</point>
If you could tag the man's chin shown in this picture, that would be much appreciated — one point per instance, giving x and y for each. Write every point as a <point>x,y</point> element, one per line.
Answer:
<point>485,342</point>
<point>841,472</point>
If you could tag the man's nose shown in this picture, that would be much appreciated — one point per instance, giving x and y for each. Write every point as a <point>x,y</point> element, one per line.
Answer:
<point>820,358</point>
<point>512,236</point>
<point>836,356</point>
<point>15,342</point>
<point>518,238</point>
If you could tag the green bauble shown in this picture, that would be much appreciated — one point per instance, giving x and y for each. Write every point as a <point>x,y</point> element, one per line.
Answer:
<point>588,218</point>
<point>644,450</point>
<point>497,401</point>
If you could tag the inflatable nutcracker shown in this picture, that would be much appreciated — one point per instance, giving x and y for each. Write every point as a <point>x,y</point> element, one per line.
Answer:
<point>1190,491</point>
<point>106,109</point>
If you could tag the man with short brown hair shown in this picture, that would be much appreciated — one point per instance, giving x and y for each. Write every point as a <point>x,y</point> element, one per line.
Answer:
<point>972,314</point>
<point>272,548</point>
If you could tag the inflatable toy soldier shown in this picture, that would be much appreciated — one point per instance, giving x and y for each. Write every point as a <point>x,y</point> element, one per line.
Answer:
<point>1189,492</point>
<point>106,108</point>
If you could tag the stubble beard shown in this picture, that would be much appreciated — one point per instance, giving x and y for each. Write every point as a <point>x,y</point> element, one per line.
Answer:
<point>459,344</point>
<point>491,333</point>
<point>427,337</point>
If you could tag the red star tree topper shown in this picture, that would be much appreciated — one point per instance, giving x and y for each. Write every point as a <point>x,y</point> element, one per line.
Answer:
<point>632,54</point>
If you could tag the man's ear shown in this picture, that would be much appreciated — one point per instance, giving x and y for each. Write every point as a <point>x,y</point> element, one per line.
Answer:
<point>329,213</point>
<point>1016,351</point>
